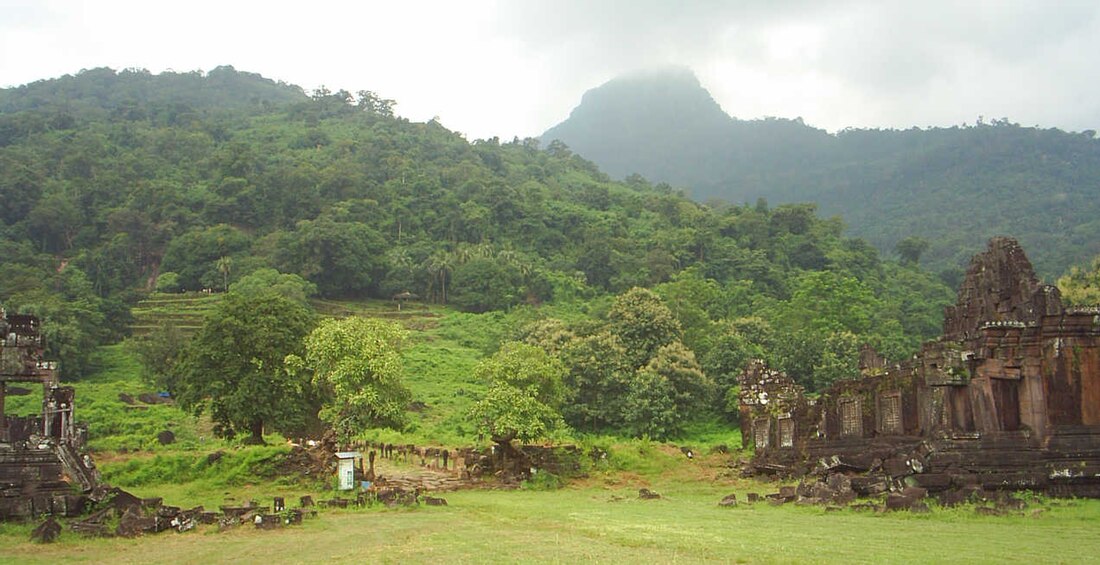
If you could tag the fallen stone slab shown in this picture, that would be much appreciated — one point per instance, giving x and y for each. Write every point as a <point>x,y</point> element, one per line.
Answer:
<point>47,532</point>
<point>915,492</point>
<point>897,501</point>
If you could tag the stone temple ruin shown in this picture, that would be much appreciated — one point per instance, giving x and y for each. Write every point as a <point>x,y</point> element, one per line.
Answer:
<point>1007,399</point>
<point>39,452</point>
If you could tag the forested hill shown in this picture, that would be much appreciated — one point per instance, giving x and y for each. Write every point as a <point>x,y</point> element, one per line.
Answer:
<point>955,187</point>
<point>170,96</point>
<point>105,199</point>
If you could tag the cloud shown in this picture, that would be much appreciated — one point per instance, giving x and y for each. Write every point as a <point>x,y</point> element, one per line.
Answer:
<point>838,64</point>
<point>502,67</point>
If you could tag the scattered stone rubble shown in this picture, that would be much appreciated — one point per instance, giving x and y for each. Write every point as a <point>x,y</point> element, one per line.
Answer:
<point>837,491</point>
<point>442,469</point>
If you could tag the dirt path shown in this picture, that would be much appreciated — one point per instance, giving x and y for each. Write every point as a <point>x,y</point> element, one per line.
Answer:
<point>409,477</point>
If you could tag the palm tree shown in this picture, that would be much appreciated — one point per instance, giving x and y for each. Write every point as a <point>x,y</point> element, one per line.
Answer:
<point>225,266</point>
<point>439,265</point>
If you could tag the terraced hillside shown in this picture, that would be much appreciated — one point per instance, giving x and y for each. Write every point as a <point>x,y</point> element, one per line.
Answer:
<point>183,310</point>
<point>443,348</point>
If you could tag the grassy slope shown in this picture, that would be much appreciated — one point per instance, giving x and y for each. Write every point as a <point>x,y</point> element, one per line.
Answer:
<point>113,424</point>
<point>441,354</point>
<point>185,310</point>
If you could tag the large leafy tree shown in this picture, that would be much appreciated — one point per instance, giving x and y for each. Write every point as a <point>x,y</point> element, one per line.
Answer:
<point>73,318</point>
<point>195,255</point>
<point>666,393</point>
<point>291,286</point>
<point>159,351</point>
<point>1081,286</point>
<point>911,248</point>
<point>233,367</point>
<point>525,394</point>
<point>693,390</point>
<point>357,367</point>
<point>598,377</point>
<point>341,258</point>
<point>482,284</point>
<point>644,323</point>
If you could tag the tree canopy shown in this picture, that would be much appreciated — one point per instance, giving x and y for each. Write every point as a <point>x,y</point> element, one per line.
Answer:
<point>525,394</point>
<point>233,367</point>
<point>356,364</point>
<point>114,184</point>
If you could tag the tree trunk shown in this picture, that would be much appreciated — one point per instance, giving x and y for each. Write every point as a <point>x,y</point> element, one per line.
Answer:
<point>257,429</point>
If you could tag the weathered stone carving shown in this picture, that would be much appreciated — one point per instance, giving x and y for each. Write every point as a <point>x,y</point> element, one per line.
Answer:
<point>39,452</point>
<point>1008,398</point>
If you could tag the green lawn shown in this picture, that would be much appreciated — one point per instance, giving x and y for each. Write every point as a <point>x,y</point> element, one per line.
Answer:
<point>608,523</point>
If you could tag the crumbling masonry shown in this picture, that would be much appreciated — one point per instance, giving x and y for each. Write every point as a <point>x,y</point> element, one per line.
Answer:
<point>42,470</point>
<point>1007,399</point>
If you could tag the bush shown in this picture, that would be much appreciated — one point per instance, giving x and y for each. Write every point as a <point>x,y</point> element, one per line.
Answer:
<point>543,480</point>
<point>168,282</point>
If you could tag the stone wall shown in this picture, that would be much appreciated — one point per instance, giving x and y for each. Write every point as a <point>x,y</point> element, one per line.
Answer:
<point>1009,397</point>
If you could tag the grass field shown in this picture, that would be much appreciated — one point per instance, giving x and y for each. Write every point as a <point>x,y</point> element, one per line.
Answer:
<point>608,523</point>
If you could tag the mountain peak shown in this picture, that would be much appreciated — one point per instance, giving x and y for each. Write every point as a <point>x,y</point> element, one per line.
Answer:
<point>642,105</point>
<point>668,94</point>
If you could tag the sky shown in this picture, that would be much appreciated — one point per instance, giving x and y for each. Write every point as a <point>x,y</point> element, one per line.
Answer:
<point>515,68</point>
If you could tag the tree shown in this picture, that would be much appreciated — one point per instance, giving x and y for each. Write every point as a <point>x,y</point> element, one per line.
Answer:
<point>692,299</point>
<point>56,219</point>
<point>341,258</point>
<point>357,366</point>
<point>225,267</point>
<point>648,407</point>
<point>234,368</point>
<point>1081,287</point>
<point>291,286</point>
<point>665,393</point>
<point>168,282</point>
<point>72,317</point>
<point>439,266</point>
<point>830,302</point>
<point>839,360</point>
<point>598,376</point>
<point>482,284</point>
<point>159,352</point>
<point>551,334</point>
<point>910,249</point>
<point>525,394</point>
<point>729,353</point>
<point>644,323</point>
<point>195,254</point>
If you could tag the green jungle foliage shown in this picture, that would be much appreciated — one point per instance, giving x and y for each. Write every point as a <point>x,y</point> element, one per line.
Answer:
<point>357,370</point>
<point>1081,285</point>
<point>233,367</point>
<point>955,187</point>
<point>106,196</point>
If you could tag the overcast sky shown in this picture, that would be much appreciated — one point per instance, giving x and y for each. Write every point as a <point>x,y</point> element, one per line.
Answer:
<point>518,67</point>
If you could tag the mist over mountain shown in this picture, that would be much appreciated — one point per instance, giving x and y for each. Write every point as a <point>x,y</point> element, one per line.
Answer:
<point>953,186</point>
